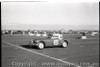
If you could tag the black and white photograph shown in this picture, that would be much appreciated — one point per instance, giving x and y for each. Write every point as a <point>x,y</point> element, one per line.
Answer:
<point>49,34</point>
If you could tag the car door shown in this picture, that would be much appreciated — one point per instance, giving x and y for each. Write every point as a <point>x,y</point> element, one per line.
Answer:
<point>49,42</point>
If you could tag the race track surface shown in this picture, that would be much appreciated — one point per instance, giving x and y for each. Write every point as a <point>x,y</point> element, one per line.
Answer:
<point>79,53</point>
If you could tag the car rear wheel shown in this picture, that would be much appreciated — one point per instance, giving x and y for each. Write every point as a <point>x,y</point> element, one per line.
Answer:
<point>41,45</point>
<point>64,44</point>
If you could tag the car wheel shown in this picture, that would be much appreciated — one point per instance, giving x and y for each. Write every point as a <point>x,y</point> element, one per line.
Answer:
<point>40,45</point>
<point>64,44</point>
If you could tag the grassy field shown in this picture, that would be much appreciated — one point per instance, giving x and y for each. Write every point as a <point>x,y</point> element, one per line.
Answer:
<point>82,53</point>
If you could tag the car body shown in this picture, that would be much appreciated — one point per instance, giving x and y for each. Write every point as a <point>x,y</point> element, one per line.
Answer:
<point>54,40</point>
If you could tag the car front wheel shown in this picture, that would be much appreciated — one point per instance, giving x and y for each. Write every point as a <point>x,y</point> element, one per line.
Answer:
<point>40,45</point>
<point>64,44</point>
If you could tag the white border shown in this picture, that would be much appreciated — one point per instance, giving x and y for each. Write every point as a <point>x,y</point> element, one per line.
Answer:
<point>52,0</point>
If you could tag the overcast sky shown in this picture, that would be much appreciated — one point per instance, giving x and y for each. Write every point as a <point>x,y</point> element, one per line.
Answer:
<point>78,13</point>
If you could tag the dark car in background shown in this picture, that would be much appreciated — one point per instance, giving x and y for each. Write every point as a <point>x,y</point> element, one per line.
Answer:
<point>53,40</point>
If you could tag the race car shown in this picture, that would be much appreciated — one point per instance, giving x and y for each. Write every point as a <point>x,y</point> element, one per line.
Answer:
<point>54,40</point>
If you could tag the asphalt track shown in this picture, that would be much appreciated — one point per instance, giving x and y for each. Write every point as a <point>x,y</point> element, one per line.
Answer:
<point>79,53</point>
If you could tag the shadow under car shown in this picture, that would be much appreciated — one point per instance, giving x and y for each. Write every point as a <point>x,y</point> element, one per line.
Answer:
<point>35,47</point>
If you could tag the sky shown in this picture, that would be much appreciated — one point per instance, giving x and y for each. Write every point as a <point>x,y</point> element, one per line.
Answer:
<point>49,15</point>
